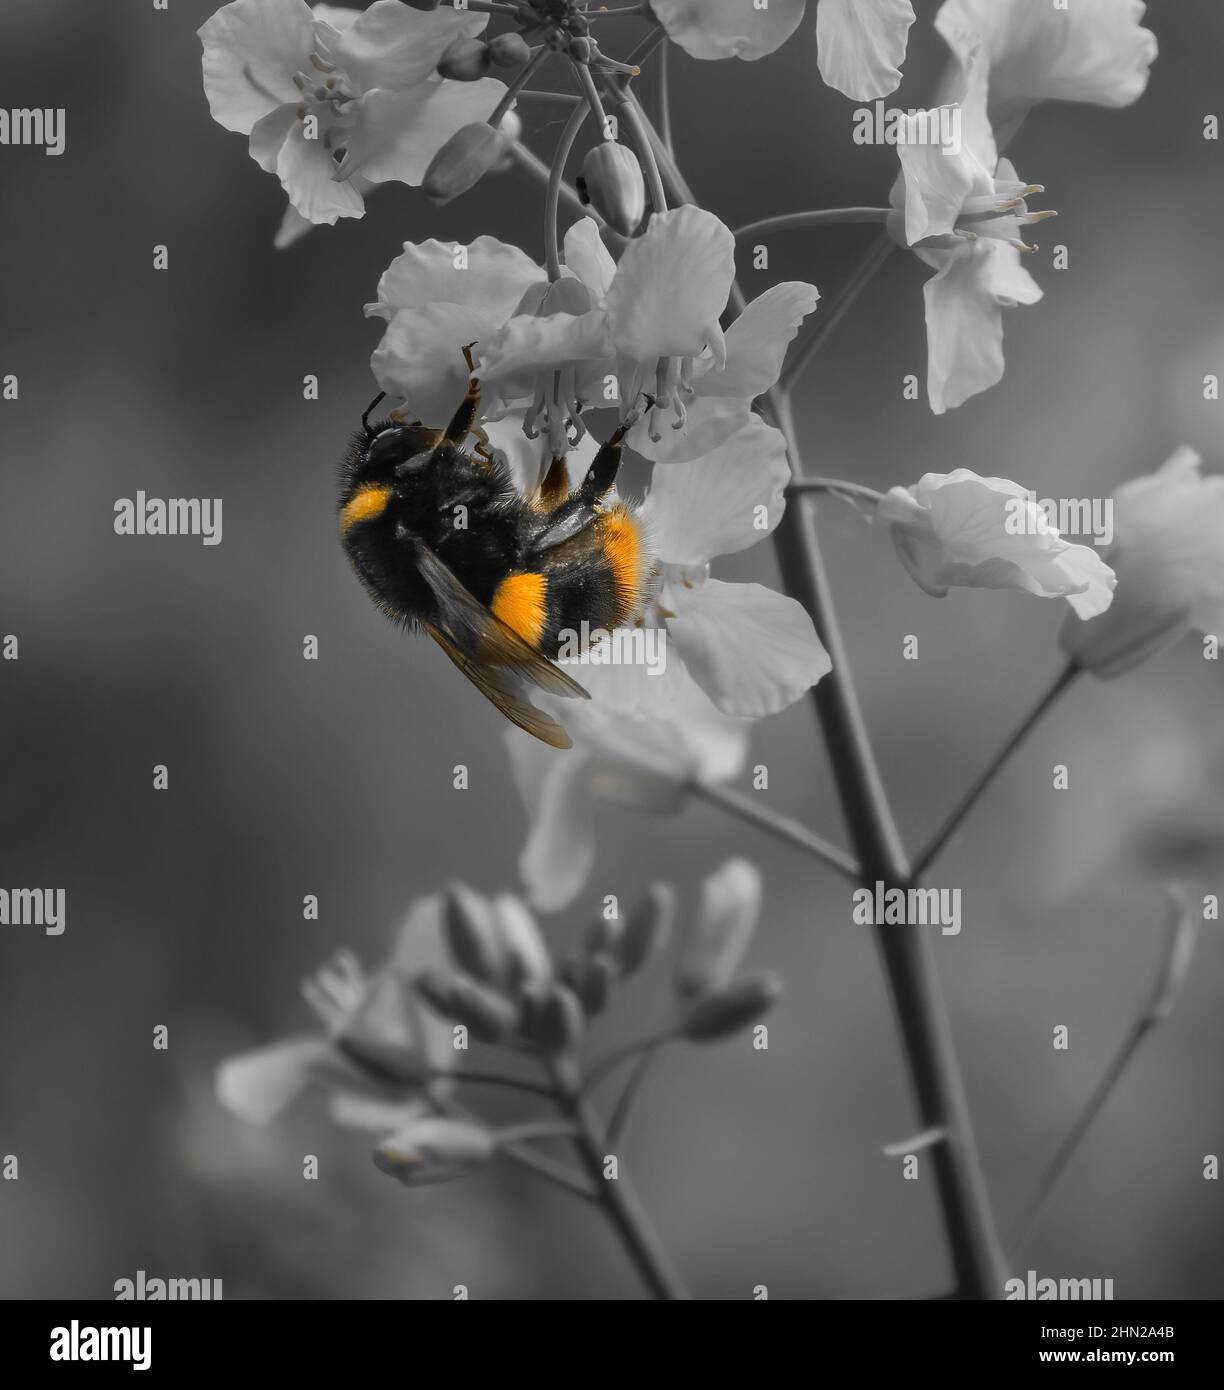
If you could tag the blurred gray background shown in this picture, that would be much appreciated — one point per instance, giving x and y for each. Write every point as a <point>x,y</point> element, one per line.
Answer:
<point>333,777</point>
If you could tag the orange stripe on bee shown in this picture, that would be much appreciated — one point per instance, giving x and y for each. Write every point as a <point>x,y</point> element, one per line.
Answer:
<point>520,603</point>
<point>365,503</point>
<point>622,546</point>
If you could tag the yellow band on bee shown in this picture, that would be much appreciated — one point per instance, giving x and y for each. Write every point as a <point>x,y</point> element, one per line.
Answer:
<point>520,603</point>
<point>365,503</point>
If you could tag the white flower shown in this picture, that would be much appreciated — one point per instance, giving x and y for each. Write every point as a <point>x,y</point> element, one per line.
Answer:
<point>959,530</point>
<point>1091,50</point>
<point>645,763</point>
<point>438,297</point>
<point>752,650</point>
<point>861,43</point>
<point>1169,558</point>
<point>962,211</point>
<point>373,1017</point>
<point>649,323</point>
<point>327,93</point>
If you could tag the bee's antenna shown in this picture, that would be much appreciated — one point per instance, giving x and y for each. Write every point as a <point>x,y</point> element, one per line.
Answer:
<point>365,419</point>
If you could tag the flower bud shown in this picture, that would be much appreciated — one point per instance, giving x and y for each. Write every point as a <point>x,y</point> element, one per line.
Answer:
<point>556,1020</point>
<point>430,1148</point>
<point>595,980</point>
<point>526,955</point>
<point>730,907</point>
<point>463,161</point>
<point>648,928</point>
<point>728,1010</point>
<point>466,60</point>
<point>509,50</point>
<point>391,1064</point>
<point>486,1014</point>
<point>613,180</point>
<point>472,933</point>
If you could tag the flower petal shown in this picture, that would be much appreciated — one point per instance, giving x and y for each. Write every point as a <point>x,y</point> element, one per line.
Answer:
<point>862,45</point>
<point>394,46</point>
<point>305,169</point>
<point>589,258</point>
<point>753,651</point>
<point>1094,51</point>
<point>258,1085</point>
<point>757,341</point>
<point>964,318</point>
<point>722,503</point>
<point>711,422</point>
<point>252,48</point>
<point>489,274</point>
<point>399,132</point>
<point>560,851</point>
<point>728,28</point>
<point>420,356</point>
<point>269,134</point>
<point>671,286</point>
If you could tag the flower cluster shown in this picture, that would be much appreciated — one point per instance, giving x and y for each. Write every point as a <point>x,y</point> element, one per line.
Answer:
<point>466,969</point>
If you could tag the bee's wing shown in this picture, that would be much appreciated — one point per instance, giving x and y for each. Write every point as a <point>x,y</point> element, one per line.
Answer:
<point>491,655</point>
<point>495,685</point>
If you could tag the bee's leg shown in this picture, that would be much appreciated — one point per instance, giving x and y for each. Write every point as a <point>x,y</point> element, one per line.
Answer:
<point>365,419</point>
<point>464,421</point>
<point>554,486</point>
<point>606,463</point>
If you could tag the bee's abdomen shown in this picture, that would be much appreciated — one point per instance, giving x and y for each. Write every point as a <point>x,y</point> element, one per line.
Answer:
<point>597,579</point>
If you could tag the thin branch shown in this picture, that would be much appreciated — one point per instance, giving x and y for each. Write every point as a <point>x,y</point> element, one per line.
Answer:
<point>814,217</point>
<point>665,121</point>
<point>528,1157</point>
<point>836,487</point>
<point>1174,966</point>
<point>556,177</point>
<point>619,1055</point>
<point>621,1204</point>
<point>633,1087</point>
<point>973,795</point>
<point>775,823</point>
<point>827,323</point>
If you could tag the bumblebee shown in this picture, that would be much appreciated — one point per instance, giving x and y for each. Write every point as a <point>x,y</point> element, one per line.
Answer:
<point>443,540</point>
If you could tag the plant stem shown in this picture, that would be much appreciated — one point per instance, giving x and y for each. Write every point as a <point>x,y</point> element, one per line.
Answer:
<point>878,252</point>
<point>908,962</point>
<point>774,823</point>
<point>620,1202</point>
<point>631,115</point>
<point>1175,962</point>
<point>814,217</point>
<point>973,1242</point>
<point>556,177</point>
<point>637,1077</point>
<point>834,486</point>
<point>971,797</point>
<point>665,122</point>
